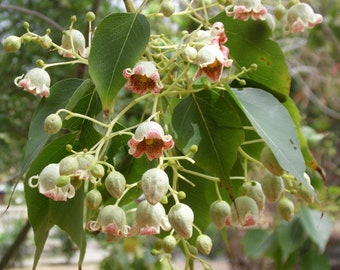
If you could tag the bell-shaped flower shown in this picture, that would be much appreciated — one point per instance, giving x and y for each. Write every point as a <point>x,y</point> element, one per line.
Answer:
<point>301,16</point>
<point>244,212</point>
<point>244,9</point>
<point>36,81</point>
<point>52,185</point>
<point>149,138</point>
<point>111,220</point>
<point>211,60</point>
<point>181,218</point>
<point>150,219</point>
<point>143,77</point>
<point>73,42</point>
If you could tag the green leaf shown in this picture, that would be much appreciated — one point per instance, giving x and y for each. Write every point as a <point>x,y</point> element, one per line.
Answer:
<point>275,126</point>
<point>209,121</point>
<point>61,92</point>
<point>119,42</point>
<point>313,260</point>
<point>44,213</point>
<point>250,43</point>
<point>258,242</point>
<point>317,225</point>
<point>290,236</point>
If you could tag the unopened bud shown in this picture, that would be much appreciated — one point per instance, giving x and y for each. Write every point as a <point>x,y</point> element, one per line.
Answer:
<point>115,184</point>
<point>272,187</point>
<point>53,124</point>
<point>45,42</point>
<point>12,44</point>
<point>286,208</point>
<point>204,244</point>
<point>68,165</point>
<point>270,162</point>
<point>93,199</point>
<point>254,190</point>
<point>279,11</point>
<point>181,218</point>
<point>167,8</point>
<point>90,16</point>
<point>98,171</point>
<point>155,184</point>
<point>169,243</point>
<point>63,180</point>
<point>244,212</point>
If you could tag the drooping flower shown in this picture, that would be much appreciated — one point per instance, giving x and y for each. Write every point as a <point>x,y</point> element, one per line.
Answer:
<point>155,184</point>
<point>149,138</point>
<point>150,219</point>
<point>211,60</point>
<point>181,218</point>
<point>144,76</point>
<point>301,16</point>
<point>244,212</point>
<point>36,81</point>
<point>111,220</point>
<point>73,41</point>
<point>244,9</point>
<point>52,185</point>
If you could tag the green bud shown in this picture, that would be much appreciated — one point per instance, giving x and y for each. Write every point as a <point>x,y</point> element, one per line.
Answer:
<point>279,11</point>
<point>270,162</point>
<point>93,199</point>
<point>272,187</point>
<point>115,184</point>
<point>40,63</point>
<point>12,44</point>
<point>98,171</point>
<point>167,8</point>
<point>68,165</point>
<point>181,195</point>
<point>169,243</point>
<point>90,16</point>
<point>219,210</point>
<point>286,208</point>
<point>254,190</point>
<point>204,244</point>
<point>63,180</point>
<point>52,124</point>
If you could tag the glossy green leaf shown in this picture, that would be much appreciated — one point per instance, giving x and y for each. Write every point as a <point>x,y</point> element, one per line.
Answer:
<point>258,242</point>
<point>250,43</point>
<point>317,226</point>
<point>209,121</point>
<point>61,93</point>
<point>275,126</point>
<point>119,42</point>
<point>44,213</point>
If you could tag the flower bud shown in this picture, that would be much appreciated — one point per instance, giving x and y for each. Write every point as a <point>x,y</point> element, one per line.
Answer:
<point>45,42</point>
<point>190,54</point>
<point>63,180</point>
<point>272,187</point>
<point>244,212</point>
<point>286,208</point>
<point>68,165</point>
<point>90,16</point>
<point>218,211</point>
<point>12,44</point>
<point>279,11</point>
<point>98,171</point>
<point>254,190</point>
<point>169,243</point>
<point>155,184</point>
<point>269,161</point>
<point>93,199</point>
<point>181,218</point>
<point>167,8</point>
<point>52,124</point>
<point>204,244</point>
<point>115,184</point>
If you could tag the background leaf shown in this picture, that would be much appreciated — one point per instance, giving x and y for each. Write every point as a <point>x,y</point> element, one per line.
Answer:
<point>253,37</point>
<point>257,242</point>
<point>119,42</point>
<point>209,121</point>
<point>317,226</point>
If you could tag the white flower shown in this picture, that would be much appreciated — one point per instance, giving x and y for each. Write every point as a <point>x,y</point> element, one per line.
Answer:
<point>73,41</point>
<point>36,81</point>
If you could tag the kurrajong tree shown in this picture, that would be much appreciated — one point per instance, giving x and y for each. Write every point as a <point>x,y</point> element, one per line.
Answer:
<point>170,131</point>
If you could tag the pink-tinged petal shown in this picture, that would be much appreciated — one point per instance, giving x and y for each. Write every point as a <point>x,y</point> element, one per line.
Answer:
<point>148,231</point>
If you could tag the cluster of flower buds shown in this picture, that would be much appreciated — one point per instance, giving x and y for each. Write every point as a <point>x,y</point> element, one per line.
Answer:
<point>206,49</point>
<point>73,45</point>
<point>297,17</point>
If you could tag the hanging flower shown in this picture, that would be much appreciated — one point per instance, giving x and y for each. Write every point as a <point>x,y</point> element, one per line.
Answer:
<point>244,9</point>
<point>244,212</point>
<point>211,59</point>
<point>301,16</point>
<point>111,220</point>
<point>73,41</point>
<point>149,138</point>
<point>149,219</point>
<point>144,76</point>
<point>52,185</point>
<point>36,81</point>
